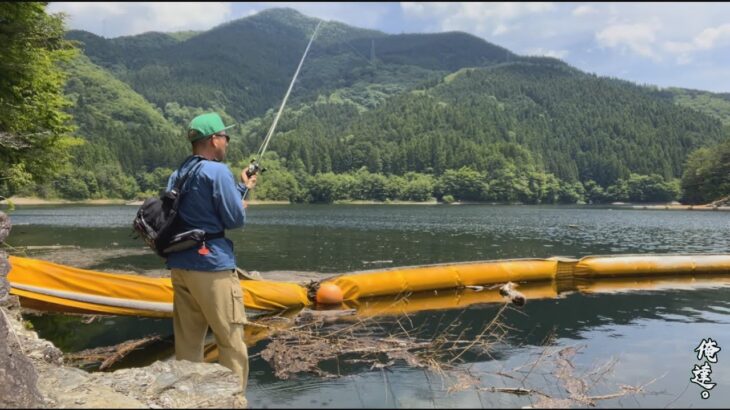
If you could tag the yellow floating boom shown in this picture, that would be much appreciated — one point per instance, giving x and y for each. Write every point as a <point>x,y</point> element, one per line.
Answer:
<point>121,294</point>
<point>443,276</point>
<point>643,265</point>
<point>66,288</point>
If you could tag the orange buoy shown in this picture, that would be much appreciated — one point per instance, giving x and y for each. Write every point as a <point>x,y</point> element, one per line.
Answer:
<point>329,294</point>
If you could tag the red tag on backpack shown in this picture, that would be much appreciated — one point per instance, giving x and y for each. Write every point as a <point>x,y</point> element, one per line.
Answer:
<point>203,250</point>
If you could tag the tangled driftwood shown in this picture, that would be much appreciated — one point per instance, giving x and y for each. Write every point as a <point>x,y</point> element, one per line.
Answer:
<point>108,355</point>
<point>304,347</point>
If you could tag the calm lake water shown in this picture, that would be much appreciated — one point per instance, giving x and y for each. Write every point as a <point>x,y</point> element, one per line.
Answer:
<point>646,334</point>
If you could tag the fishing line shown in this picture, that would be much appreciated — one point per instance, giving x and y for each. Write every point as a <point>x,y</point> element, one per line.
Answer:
<point>254,167</point>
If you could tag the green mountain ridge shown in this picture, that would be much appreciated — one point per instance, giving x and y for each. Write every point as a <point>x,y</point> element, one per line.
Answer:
<point>246,64</point>
<point>393,104</point>
<point>619,128</point>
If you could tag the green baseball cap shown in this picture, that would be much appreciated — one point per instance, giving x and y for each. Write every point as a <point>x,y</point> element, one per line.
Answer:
<point>205,125</point>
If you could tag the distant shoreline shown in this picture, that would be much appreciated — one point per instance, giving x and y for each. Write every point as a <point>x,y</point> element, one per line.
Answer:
<point>373,202</point>
<point>24,201</point>
<point>40,201</point>
<point>682,207</point>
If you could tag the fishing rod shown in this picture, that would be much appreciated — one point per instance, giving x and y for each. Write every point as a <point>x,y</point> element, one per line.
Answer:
<point>254,166</point>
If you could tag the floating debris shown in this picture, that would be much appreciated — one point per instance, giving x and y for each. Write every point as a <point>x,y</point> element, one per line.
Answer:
<point>508,290</point>
<point>303,348</point>
<point>376,262</point>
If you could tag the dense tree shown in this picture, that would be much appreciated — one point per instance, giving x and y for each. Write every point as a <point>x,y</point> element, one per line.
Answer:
<point>707,174</point>
<point>464,184</point>
<point>651,188</point>
<point>34,129</point>
<point>594,193</point>
<point>111,115</point>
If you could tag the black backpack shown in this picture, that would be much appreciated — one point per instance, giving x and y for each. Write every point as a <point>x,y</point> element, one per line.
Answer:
<point>158,224</point>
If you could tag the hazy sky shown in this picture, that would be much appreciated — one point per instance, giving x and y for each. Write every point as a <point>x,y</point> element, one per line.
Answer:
<point>665,44</point>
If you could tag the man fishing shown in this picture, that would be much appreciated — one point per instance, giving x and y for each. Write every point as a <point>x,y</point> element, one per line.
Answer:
<point>205,284</point>
<point>206,287</point>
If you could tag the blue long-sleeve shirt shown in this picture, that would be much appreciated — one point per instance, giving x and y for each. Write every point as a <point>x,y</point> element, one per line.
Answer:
<point>212,201</point>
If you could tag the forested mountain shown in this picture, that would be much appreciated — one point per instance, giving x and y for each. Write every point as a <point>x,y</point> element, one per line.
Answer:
<point>244,66</point>
<point>577,126</point>
<point>425,109</point>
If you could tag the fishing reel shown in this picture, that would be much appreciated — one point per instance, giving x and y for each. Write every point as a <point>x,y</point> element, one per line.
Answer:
<point>254,168</point>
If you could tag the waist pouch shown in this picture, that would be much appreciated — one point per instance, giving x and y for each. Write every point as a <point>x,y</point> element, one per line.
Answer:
<point>190,239</point>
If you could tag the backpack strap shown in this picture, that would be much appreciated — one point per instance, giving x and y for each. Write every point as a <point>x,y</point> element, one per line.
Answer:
<point>181,180</point>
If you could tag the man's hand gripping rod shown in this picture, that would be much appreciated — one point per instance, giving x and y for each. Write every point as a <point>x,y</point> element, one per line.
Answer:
<point>254,167</point>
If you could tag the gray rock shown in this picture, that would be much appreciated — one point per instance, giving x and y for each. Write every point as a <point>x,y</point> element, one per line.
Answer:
<point>17,374</point>
<point>169,384</point>
<point>5,226</point>
<point>4,285</point>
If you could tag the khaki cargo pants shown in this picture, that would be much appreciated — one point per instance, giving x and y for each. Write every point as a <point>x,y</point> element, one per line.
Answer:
<point>212,299</point>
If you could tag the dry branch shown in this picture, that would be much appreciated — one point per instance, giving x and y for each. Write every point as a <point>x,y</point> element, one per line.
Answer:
<point>108,355</point>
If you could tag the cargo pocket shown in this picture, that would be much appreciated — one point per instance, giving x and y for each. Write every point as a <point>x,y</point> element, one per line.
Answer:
<point>239,313</point>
